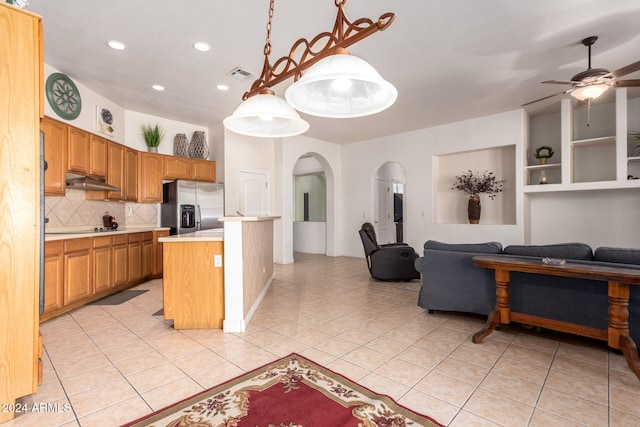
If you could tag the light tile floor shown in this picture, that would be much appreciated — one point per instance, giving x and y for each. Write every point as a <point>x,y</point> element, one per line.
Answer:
<point>109,364</point>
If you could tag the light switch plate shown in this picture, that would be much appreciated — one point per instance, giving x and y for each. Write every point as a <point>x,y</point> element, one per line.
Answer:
<point>217,260</point>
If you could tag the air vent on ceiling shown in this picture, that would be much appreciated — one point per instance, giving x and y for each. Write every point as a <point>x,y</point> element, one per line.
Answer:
<point>241,74</point>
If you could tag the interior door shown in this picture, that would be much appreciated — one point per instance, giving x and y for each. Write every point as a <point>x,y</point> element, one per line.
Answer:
<point>384,208</point>
<point>253,199</point>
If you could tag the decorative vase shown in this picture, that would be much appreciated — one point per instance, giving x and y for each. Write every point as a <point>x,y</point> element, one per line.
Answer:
<point>152,149</point>
<point>473,209</point>
<point>181,145</point>
<point>198,148</point>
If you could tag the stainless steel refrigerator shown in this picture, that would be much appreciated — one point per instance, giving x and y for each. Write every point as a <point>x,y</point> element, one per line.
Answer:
<point>189,206</point>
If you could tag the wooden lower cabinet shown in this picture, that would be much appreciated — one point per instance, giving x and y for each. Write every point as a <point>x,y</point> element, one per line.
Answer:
<point>120,260</point>
<point>158,251</point>
<point>102,264</point>
<point>135,256</point>
<point>53,276</point>
<point>147,254</point>
<point>78,273</point>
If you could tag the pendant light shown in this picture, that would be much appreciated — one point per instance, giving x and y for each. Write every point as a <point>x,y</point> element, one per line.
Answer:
<point>335,84</point>
<point>266,115</point>
<point>341,86</point>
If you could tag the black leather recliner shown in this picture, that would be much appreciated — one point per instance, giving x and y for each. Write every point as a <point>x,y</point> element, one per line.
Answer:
<point>391,262</point>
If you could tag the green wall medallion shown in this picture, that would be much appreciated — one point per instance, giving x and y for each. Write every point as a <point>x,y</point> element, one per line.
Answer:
<point>63,96</point>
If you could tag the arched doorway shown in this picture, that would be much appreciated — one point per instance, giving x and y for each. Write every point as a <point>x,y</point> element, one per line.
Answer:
<point>389,200</point>
<point>312,204</point>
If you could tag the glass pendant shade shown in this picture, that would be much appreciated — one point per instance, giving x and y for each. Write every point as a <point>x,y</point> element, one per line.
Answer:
<point>266,115</point>
<point>341,86</point>
<point>589,92</point>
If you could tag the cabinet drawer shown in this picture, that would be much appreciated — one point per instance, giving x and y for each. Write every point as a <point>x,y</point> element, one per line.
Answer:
<point>102,241</point>
<point>74,245</point>
<point>121,239</point>
<point>52,248</point>
<point>135,237</point>
<point>147,236</point>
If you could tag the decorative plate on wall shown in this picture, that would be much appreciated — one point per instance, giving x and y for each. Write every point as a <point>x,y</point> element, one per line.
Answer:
<point>63,96</point>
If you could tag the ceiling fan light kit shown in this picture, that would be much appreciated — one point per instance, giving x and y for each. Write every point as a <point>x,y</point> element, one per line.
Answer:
<point>334,84</point>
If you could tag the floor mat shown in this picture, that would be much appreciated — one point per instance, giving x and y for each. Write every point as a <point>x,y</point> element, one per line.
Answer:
<point>120,297</point>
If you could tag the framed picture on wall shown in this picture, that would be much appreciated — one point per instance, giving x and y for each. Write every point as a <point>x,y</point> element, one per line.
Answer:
<point>104,121</point>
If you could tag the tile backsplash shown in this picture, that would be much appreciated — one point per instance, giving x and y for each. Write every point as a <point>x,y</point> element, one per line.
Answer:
<point>73,210</point>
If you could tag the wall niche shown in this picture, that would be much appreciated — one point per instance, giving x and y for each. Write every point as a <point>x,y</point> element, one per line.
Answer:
<point>450,206</point>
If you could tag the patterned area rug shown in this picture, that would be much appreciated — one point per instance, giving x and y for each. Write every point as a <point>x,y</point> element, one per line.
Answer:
<point>290,392</point>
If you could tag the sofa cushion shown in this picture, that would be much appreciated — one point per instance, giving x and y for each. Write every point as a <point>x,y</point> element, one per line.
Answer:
<point>618,255</point>
<point>560,250</point>
<point>481,248</point>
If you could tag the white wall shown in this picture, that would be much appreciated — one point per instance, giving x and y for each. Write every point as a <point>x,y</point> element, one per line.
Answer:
<point>416,152</point>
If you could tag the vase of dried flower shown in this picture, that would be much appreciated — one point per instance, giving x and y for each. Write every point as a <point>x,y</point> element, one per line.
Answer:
<point>473,209</point>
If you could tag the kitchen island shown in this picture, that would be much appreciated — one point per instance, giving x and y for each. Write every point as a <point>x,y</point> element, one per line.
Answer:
<point>217,278</point>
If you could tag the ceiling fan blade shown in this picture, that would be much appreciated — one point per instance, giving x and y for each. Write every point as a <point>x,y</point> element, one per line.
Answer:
<point>626,83</point>
<point>631,68</point>
<point>542,99</point>
<point>560,82</point>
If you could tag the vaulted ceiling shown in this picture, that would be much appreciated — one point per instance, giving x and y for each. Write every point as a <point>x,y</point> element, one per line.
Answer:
<point>449,60</point>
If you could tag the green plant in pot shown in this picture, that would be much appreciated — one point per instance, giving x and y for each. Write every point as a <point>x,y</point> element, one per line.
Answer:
<point>153,136</point>
<point>543,153</point>
<point>475,184</point>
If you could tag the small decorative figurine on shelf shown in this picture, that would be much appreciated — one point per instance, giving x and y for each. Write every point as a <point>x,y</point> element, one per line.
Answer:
<point>543,153</point>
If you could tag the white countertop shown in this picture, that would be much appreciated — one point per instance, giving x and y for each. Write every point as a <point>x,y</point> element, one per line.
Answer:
<point>64,233</point>
<point>248,218</point>
<point>213,235</point>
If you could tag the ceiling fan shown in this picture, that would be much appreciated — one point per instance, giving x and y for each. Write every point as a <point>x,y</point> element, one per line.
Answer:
<point>593,82</point>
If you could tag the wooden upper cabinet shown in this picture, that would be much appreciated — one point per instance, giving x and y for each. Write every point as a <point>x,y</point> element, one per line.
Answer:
<point>203,170</point>
<point>115,169</point>
<point>174,167</point>
<point>55,154</point>
<point>98,156</point>
<point>78,151</point>
<point>130,185</point>
<point>149,177</point>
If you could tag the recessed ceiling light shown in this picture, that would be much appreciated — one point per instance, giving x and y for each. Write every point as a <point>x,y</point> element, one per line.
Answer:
<point>158,87</point>
<point>115,44</point>
<point>201,46</point>
<point>222,87</point>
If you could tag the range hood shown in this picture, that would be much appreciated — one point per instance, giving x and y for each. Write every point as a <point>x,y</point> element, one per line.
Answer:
<point>87,183</point>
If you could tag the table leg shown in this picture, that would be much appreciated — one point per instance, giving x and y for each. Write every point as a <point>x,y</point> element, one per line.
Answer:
<point>619,325</point>
<point>493,320</point>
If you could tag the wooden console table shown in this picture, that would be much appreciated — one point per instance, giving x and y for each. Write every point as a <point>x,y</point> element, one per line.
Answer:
<point>619,281</point>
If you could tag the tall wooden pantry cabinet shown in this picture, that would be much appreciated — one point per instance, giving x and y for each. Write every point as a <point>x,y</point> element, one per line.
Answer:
<point>21,85</point>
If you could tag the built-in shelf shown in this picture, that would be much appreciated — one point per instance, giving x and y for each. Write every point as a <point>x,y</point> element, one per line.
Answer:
<point>583,186</point>
<point>594,141</point>
<point>633,159</point>
<point>543,167</point>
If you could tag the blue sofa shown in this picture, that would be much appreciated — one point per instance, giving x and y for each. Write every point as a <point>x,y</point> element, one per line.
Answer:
<point>451,281</point>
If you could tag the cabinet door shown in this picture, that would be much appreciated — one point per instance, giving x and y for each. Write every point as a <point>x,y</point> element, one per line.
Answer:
<point>78,158</point>
<point>203,170</point>
<point>78,275</point>
<point>130,185</point>
<point>120,264</point>
<point>102,264</point>
<point>53,276</point>
<point>98,156</point>
<point>176,167</point>
<point>135,256</point>
<point>55,153</point>
<point>157,266</point>
<point>115,169</point>
<point>147,258</point>
<point>150,177</point>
